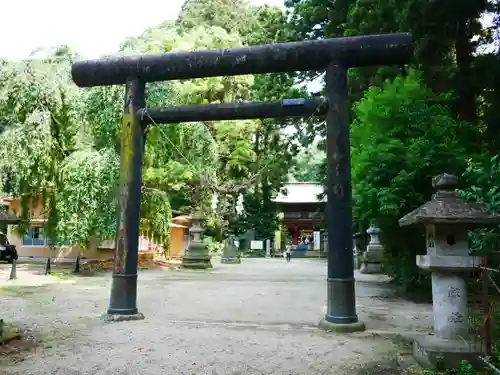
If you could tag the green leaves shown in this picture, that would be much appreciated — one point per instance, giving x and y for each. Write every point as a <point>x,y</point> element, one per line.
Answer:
<point>481,180</point>
<point>156,215</point>
<point>85,197</point>
<point>402,137</point>
<point>39,107</point>
<point>102,112</point>
<point>62,143</point>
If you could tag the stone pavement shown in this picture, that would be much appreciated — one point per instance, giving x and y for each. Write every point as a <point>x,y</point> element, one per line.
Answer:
<point>258,317</point>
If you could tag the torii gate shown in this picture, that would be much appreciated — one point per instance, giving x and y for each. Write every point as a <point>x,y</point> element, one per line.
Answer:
<point>333,55</point>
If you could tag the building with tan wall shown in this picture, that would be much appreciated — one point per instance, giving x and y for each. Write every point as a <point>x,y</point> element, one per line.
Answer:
<point>179,236</point>
<point>34,245</point>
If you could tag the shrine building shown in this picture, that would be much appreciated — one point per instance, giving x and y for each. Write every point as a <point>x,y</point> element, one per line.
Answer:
<point>302,211</point>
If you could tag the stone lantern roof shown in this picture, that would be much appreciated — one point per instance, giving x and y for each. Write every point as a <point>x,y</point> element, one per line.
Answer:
<point>447,207</point>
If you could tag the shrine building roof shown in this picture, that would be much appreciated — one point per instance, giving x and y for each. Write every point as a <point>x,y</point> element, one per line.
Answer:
<point>301,192</point>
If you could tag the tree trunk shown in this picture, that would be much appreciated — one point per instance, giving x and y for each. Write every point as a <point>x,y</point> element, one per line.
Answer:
<point>466,93</point>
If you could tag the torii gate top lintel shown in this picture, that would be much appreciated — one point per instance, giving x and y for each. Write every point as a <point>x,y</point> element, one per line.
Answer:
<point>313,55</point>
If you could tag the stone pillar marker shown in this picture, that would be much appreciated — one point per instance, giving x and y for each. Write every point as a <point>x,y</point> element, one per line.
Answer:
<point>372,257</point>
<point>231,254</point>
<point>447,219</point>
<point>197,254</point>
<point>357,249</point>
<point>268,248</point>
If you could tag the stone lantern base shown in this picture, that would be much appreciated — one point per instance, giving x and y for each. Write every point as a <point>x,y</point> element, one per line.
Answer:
<point>230,260</point>
<point>433,352</point>
<point>197,257</point>
<point>371,262</point>
<point>451,342</point>
<point>197,263</point>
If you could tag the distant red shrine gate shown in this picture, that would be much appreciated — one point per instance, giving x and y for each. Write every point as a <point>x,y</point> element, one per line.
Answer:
<point>303,211</point>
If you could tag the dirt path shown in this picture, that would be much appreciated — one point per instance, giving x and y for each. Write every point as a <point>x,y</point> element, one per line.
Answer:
<point>255,318</point>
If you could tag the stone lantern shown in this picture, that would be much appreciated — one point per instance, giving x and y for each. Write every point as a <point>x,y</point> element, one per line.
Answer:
<point>371,260</point>
<point>447,219</point>
<point>197,254</point>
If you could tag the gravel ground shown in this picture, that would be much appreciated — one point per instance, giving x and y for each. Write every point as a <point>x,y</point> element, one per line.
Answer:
<point>258,317</point>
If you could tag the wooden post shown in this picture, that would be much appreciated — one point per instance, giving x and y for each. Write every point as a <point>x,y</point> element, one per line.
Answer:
<point>123,300</point>
<point>48,267</point>
<point>341,299</point>
<point>77,265</point>
<point>13,270</point>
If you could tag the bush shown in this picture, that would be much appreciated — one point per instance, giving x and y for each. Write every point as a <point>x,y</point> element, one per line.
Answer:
<point>402,136</point>
<point>214,247</point>
<point>482,178</point>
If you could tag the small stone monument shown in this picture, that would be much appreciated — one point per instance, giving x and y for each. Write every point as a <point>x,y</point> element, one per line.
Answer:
<point>357,249</point>
<point>230,254</point>
<point>372,258</point>
<point>197,254</point>
<point>447,219</point>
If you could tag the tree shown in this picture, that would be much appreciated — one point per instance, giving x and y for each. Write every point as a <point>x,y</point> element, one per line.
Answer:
<point>56,54</point>
<point>38,107</point>
<point>261,158</point>
<point>85,199</point>
<point>203,154</point>
<point>446,38</point>
<point>308,164</point>
<point>481,181</point>
<point>232,15</point>
<point>404,135</point>
<point>62,142</point>
<point>455,51</point>
<point>47,153</point>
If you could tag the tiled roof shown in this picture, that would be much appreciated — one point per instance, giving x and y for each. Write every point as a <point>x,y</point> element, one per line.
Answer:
<point>301,192</point>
